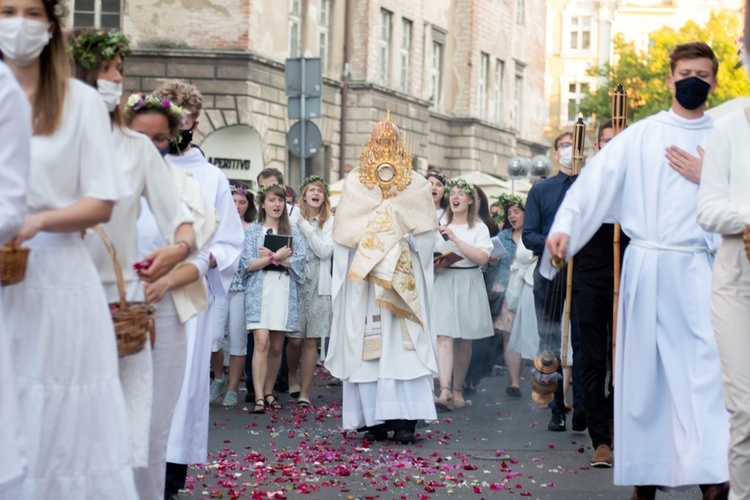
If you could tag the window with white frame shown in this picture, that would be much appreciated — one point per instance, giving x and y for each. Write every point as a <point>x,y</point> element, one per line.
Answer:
<point>580,33</point>
<point>405,55</point>
<point>484,73</point>
<point>576,92</point>
<point>295,28</point>
<point>324,23</point>
<point>97,13</point>
<point>520,14</point>
<point>497,92</point>
<point>436,74</point>
<point>518,97</point>
<point>384,47</point>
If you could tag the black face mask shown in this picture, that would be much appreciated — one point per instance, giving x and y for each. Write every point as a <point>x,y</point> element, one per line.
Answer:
<point>186,137</point>
<point>691,92</point>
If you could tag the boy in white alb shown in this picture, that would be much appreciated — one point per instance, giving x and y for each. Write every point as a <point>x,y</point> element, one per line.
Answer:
<point>188,438</point>
<point>671,427</point>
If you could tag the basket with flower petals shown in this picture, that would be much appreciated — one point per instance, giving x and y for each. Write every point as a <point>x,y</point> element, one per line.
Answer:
<point>13,261</point>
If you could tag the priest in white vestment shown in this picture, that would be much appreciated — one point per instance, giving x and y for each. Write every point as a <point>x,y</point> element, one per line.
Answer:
<point>671,427</point>
<point>381,345</point>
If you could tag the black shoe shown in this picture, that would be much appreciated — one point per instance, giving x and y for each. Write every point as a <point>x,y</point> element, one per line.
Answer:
<point>171,495</point>
<point>556,423</point>
<point>281,385</point>
<point>578,423</point>
<point>404,436</point>
<point>375,433</point>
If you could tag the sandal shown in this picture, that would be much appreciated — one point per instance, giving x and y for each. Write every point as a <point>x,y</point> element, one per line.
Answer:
<point>303,403</point>
<point>273,403</point>
<point>444,404</point>
<point>458,402</point>
<point>260,406</point>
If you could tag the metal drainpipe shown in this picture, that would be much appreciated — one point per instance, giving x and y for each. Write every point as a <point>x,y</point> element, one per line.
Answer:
<point>345,84</point>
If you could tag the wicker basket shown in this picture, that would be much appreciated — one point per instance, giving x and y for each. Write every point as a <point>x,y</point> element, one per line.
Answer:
<point>746,240</point>
<point>133,321</point>
<point>13,260</point>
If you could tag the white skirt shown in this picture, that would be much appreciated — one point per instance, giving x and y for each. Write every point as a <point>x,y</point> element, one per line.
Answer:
<point>524,338</point>
<point>274,307</point>
<point>12,461</point>
<point>372,403</point>
<point>65,361</point>
<point>461,308</point>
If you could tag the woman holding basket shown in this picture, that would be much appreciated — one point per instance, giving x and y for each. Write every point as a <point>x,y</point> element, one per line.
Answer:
<point>64,352</point>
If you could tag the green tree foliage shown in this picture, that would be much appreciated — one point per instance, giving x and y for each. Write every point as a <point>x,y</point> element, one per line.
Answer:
<point>644,74</point>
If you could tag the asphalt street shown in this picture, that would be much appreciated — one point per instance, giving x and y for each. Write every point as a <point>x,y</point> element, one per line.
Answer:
<point>495,447</point>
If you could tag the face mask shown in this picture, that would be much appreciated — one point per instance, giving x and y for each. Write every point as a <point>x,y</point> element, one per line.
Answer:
<point>110,92</point>
<point>691,92</point>
<point>566,157</point>
<point>186,137</point>
<point>22,40</point>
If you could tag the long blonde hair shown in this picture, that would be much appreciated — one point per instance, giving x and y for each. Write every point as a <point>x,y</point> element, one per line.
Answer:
<point>54,73</point>
<point>325,209</point>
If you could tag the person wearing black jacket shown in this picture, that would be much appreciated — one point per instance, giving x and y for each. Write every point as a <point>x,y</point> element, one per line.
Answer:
<point>593,277</point>
<point>543,201</point>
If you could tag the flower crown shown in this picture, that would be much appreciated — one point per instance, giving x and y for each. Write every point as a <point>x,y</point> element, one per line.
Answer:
<point>237,189</point>
<point>137,102</point>
<point>438,175</point>
<point>58,7</point>
<point>508,200</point>
<point>315,178</point>
<point>86,45</point>
<point>262,189</point>
<point>463,185</point>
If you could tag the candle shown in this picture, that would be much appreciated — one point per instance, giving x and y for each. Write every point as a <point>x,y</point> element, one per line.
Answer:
<point>619,109</point>
<point>579,136</point>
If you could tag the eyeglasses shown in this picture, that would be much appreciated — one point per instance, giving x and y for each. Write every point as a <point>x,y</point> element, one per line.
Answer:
<point>565,144</point>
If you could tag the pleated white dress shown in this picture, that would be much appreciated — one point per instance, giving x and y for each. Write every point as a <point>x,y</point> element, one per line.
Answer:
<point>64,352</point>
<point>462,309</point>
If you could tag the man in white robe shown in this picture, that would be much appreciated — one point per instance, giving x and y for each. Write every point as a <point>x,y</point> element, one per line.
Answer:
<point>671,428</point>
<point>188,438</point>
<point>15,128</point>
<point>381,345</point>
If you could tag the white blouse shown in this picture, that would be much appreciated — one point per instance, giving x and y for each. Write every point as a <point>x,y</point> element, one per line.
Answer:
<point>477,236</point>
<point>15,129</point>
<point>148,176</point>
<point>52,184</point>
<point>724,196</point>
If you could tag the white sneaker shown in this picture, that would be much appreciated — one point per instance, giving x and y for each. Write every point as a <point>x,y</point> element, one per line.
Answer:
<point>230,399</point>
<point>217,387</point>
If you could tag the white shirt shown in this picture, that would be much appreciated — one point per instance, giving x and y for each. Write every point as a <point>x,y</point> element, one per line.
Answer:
<point>724,195</point>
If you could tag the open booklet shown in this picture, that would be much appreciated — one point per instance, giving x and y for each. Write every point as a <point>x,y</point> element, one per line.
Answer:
<point>498,249</point>
<point>446,259</point>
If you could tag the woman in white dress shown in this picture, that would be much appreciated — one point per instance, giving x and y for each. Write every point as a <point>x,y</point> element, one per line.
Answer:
<point>316,225</point>
<point>461,312</point>
<point>15,126</point>
<point>277,286</point>
<point>98,60</point>
<point>64,351</point>
<point>178,295</point>
<point>230,315</point>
